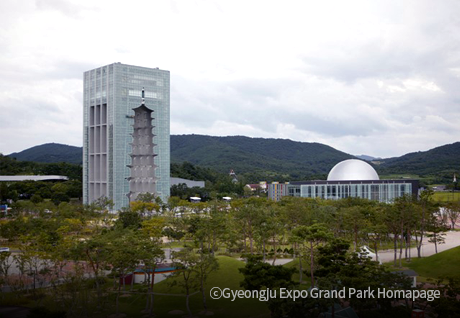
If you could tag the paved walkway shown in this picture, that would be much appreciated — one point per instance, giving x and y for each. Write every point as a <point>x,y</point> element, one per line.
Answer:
<point>452,239</point>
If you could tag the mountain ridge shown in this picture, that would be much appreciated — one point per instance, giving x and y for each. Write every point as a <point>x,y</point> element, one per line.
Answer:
<point>269,158</point>
<point>50,153</point>
<point>259,157</point>
<point>442,159</point>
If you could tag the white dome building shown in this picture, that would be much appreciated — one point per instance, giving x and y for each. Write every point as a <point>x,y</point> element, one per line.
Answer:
<point>352,169</point>
<point>349,178</point>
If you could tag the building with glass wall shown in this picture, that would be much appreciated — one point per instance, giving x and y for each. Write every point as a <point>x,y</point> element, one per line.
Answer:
<point>110,94</point>
<point>277,190</point>
<point>349,178</point>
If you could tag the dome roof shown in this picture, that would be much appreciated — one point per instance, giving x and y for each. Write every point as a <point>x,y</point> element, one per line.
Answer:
<point>352,169</point>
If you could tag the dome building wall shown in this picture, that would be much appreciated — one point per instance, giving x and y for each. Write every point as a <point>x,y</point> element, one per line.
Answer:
<point>348,178</point>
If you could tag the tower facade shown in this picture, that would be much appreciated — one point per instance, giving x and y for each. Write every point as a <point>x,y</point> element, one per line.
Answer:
<point>111,94</point>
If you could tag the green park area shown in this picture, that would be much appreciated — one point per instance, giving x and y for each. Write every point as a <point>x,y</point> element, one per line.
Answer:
<point>446,196</point>
<point>438,266</point>
<point>170,299</point>
<point>71,260</point>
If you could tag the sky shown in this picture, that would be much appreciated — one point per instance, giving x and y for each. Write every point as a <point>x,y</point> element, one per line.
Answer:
<point>380,78</point>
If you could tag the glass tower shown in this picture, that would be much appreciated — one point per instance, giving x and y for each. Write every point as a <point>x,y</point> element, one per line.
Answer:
<point>110,93</point>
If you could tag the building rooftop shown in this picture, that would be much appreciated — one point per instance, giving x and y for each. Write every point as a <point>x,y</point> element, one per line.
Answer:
<point>31,178</point>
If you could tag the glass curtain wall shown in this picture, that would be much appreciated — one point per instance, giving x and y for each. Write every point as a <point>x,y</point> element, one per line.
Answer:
<point>110,94</point>
<point>383,192</point>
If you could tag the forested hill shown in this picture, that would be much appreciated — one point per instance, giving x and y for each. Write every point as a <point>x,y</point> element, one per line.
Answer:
<point>270,159</point>
<point>441,161</point>
<point>50,153</point>
<point>259,158</point>
<point>256,158</point>
<point>10,167</point>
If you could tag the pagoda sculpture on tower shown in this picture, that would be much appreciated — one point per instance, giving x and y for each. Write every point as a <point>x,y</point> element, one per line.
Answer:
<point>142,178</point>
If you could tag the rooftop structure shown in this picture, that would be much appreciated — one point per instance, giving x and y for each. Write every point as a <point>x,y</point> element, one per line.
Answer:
<point>188,183</point>
<point>32,178</point>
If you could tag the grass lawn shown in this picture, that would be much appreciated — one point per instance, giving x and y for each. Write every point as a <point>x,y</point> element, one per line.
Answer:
<point>436,266</point>
<point>400,176</point>
<point>446,196</point>
<point>439,265</point>
<point>132,304</point>
<point>227,276</point>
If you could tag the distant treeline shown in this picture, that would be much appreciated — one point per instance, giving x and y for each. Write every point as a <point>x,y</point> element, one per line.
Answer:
<point>11,167</point>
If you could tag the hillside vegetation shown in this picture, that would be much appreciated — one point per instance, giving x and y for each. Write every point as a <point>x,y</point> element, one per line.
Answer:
<point>51,153</point>
<point>437,165</point>
<point>255,159</point>
<point>10,167</point>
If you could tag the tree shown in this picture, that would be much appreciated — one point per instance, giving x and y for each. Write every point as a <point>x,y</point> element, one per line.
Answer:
<point>95,252</point>
<point>338,269</point>
<point>427,208</point>
<point>153,227</point>
<point>6,261</point>
<point>248,213</point>
<point>185,261</point>
<point>36,198</point>
<point>103,203</point>
<point>331,260</point>
<point>219,225</point>
<point>312,236</point>
<point>143,208</point>
<point>437,228</point>
<point>449,304</point>
<point>376,229</point>
<point>147,197</point>
<point>260,275</point>
<point>151,254</point>
<point>206,264</point>
<point>407,215</point>
<point>402,219</point>
<point>123,254</point>
<point>263,231</point>
<point>128,218</point>
<point>355,221</point>
<point>197,228</point>
<point>453,211</point>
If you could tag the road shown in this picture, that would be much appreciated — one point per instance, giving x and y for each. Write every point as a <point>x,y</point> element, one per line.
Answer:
<point>452,239</point>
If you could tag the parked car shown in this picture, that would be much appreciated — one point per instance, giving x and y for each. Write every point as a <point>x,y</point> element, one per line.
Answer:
<point>365,251</point>
<point>4,249</point>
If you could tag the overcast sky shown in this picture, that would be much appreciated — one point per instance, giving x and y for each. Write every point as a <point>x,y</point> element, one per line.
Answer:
<point>380,78</point>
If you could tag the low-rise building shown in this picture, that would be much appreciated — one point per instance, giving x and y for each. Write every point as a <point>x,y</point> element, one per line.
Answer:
<point>349,178</point>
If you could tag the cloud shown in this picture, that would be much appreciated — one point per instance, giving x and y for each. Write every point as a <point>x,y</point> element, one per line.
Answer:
<point>68,8</point>
<point>378,78</point>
